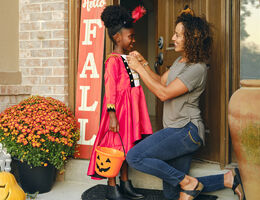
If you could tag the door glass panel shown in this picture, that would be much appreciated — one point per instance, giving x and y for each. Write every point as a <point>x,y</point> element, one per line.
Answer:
<point>249,39</point>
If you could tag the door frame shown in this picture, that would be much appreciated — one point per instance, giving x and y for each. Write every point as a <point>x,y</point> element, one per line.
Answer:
<point>230,62</point>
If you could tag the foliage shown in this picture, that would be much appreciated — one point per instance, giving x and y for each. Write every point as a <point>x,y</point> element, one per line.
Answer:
<point>39,131</point>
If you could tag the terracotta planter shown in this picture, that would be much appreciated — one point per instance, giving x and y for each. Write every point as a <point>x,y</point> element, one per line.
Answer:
<point>244,124</point>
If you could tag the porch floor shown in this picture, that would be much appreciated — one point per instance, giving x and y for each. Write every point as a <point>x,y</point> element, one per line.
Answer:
<point>76,181</point>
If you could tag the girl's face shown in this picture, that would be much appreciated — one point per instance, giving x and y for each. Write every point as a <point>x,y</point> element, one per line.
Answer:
<point>179,38</point>
<point>127,39</point>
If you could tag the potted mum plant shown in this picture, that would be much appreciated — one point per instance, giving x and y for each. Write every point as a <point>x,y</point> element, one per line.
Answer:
<point>41,133</point>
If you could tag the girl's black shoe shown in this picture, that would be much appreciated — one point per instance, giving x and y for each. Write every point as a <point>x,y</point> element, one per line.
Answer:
<point>114,193</point>
<point>129,191</point>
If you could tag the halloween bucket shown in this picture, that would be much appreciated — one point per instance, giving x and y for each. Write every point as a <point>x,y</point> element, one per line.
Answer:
<point>109,160</point>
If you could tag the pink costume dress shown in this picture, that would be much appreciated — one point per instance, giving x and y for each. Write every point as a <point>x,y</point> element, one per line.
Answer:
<point>124,94</point>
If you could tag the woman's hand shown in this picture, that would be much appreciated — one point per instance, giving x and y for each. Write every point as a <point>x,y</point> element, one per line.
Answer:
<point>133,63</point>
<point>113,122</point>
<point>139,57</point>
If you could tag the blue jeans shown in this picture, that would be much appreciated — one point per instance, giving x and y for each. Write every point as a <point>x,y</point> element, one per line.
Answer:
<point>167,154</point>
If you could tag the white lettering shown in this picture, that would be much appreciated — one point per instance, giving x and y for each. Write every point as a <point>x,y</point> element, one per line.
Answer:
<point>82,139</point>
<point>90,59</point>
<point>84,97</point>
<point>89,31</point>
<point>93,4</point>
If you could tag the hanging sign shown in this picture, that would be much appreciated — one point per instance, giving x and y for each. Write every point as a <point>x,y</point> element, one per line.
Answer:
<point>89,76</point>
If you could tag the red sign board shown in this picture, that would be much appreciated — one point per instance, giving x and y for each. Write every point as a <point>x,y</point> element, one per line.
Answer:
<point>89,76</point>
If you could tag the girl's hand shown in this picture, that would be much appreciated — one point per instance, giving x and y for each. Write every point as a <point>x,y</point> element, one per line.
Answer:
<point>133,63</point>
<point>113,122</point>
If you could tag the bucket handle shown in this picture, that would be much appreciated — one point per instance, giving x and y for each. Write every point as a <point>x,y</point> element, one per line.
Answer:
<point>120,140</point>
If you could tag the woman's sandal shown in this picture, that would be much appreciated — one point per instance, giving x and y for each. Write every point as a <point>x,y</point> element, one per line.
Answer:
<point>194,193</point>
<point>237,183</point>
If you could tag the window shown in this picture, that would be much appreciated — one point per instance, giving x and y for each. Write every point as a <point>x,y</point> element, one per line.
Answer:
<point>249,39</point>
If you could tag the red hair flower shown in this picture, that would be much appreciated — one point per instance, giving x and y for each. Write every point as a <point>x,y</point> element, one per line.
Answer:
<point>138,12</point>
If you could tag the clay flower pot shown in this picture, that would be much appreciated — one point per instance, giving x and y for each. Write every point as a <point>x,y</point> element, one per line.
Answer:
<point>244,124</point>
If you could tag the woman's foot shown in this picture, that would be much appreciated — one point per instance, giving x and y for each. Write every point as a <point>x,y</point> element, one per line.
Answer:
<point>129,191</point>
<point>190,188</point>
<point>114,193</point>
<point>234,182</point>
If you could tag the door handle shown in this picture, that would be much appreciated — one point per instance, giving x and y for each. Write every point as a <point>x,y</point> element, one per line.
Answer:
<point>160,42</point>
<point>158,62</point>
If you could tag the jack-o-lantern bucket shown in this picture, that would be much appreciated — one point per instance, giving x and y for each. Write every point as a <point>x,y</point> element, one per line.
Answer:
<point>109,161</point>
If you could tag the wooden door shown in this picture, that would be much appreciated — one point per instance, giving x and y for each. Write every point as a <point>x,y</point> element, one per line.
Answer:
<point>213,98</point>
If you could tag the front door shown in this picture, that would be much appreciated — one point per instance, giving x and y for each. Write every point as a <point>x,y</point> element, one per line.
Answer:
<point>167,12</point>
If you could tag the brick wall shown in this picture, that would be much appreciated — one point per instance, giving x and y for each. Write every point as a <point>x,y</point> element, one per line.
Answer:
<point>43,52</point>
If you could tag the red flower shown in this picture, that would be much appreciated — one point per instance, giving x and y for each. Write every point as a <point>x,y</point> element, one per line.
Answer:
<point>138,12</point>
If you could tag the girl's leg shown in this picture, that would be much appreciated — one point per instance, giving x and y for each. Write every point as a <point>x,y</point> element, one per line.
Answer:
<point>151,154</point>
<point>126,185</point>
<point>124,172</point>
<point>111,181</point>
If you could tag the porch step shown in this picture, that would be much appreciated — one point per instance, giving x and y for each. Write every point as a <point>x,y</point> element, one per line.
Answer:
<point>76,171</point>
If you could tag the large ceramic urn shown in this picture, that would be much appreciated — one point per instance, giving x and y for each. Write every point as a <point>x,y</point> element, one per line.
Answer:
<point>244,124</point>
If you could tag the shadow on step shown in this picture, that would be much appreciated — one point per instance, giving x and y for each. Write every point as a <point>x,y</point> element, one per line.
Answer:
<point>98,193</point>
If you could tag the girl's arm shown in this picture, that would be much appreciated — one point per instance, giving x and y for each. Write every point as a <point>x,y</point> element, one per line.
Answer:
<point>110,77</point>
<point>113,122</point>
<point>158,88</point>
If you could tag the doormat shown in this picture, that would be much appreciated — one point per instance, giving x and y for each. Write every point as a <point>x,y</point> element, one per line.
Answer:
<point>98,193</point>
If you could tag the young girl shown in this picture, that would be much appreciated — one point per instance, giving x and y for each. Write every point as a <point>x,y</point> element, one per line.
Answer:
<point>124,107</point>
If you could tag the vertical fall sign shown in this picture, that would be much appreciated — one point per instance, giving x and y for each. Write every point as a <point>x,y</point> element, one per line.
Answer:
<point>89,76</point>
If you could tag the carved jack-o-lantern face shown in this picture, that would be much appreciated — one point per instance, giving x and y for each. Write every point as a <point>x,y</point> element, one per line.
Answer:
<point>9,189</point>
<point>4,193</point>
<point>103,164</point>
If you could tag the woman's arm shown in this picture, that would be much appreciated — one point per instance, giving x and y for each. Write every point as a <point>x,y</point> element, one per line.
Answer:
<point>158,88</point>
<point>146,66</point>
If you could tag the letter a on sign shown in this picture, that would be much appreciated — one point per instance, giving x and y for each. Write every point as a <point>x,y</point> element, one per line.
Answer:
<point>89,76</point>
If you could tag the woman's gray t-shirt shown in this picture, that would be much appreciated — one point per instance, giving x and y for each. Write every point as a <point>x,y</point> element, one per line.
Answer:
<point>179,111</point>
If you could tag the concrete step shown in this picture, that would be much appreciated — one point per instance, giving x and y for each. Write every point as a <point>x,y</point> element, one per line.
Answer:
<point>76,171</point>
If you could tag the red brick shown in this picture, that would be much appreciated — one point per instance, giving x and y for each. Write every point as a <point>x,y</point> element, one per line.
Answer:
<point>64,34</point>
<point>60,71</point>
<point>41,53</point>
<point>24,53</point>
<point>54,25</point>
<point>60,15</point>
<point>54,80</point>
<point>29,8</point>
<point>30,44</point>
<point>30,26</point>
<point>55,62</point>
<point>40,35</point>
<point>41,71</point>
<point>54,44</point>
<point>54,6</point>
<point>29,62</point>
<point>60,53</point>
<point>24,35</point>
<point>41,16</point>
<point>31,80</point>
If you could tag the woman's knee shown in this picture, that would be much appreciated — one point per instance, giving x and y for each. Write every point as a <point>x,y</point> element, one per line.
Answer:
<point>132,157</point>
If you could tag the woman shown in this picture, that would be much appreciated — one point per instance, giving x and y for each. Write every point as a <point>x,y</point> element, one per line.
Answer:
<point>167,153</point>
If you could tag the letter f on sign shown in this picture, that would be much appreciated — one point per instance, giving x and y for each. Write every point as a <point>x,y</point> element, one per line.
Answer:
<point>89,31</point>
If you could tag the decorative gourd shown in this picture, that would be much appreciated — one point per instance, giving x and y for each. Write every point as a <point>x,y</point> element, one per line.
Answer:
<point>9,188</point>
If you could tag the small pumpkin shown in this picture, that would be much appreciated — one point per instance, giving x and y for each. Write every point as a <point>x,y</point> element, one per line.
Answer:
<point>9,188</point>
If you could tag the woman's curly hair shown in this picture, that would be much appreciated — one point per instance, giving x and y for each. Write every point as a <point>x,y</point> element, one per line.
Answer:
<point>198,37</point>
